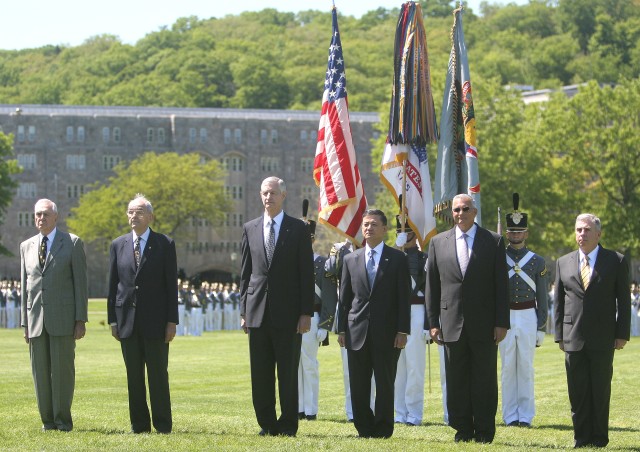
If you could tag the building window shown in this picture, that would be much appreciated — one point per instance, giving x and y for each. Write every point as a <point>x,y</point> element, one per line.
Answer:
<point>27,161</point>
<point>270,164</point>
<point>227,136</point>
<point>234,191</point>
<point>306,164</point>
<point>80,134</point>
<point>69,134</point>
<point>20,134</point>
<point>75,191</point>
<point>27,190</point>
<point>237,164</point>
<point>161,135</point>
<point>116,135</point>
<point>32,134</point>
<point>313,136</point>
<point>192,135</point>
<point>309,192</point>
<point>25,219</point>
<point>304,136</point>
<point>274,137</point>
<point>76,162</point>
<point>263,136</point>
<point>110,161</point>
<point>150,135</point>
<point>105,135</point>
<point>203,136</point>
<point>237,136</point>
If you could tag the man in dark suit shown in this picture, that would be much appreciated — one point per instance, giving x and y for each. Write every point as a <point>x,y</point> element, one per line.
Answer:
<point>592,319</point>
<point>143,312</point>
<point>54,311</point>
<point>467,305</point>
<point>277,291</point>
<point>373,323</point>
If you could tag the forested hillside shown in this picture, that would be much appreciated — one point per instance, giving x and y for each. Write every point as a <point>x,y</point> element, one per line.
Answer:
<point>271,59</point>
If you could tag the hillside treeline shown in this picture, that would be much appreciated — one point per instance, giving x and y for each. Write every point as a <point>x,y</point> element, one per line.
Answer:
<point>272,59</point>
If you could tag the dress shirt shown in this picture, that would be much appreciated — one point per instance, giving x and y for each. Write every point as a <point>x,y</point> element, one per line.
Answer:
<point>50,237</point>
<point>471,235</point>
<point>592,260</point>
<point>266,226</point>
<point>143,240</point>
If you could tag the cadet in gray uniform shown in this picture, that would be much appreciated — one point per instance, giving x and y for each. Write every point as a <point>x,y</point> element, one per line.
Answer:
<point>528,302</point>
<point>324,306</point>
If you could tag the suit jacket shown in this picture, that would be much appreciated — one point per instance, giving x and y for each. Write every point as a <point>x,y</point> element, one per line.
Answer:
<point>287,286</point>
<point>595,317</point>
<point>479,301</point>
<point>382,309</point>
<point>151,292</point>
<point>55,296</point>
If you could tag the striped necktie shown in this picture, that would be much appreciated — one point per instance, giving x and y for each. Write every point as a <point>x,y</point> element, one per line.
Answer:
<point>136,252</point>
<point>42,254</point>
<point>271,242</point>
<point>585,272</point>
<point>371,268</point>
<point>463,254</point>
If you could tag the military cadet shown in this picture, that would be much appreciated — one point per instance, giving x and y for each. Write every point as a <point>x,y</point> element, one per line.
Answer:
<point>529,299</point>
<point>409,383</point>
<point>324,306</point>
<point>218,306</point>
<point>3,306</point>
<point>181,328</point>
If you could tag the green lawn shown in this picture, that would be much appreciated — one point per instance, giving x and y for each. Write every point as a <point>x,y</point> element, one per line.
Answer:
<point>212,409</point>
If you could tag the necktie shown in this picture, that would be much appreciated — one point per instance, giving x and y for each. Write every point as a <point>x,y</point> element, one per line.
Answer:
<point>585,272</point>
<point>42,255</point>
<point>371,268</point>
<point>463,254</point>
<point>271,242</point>
<point>136,252</point>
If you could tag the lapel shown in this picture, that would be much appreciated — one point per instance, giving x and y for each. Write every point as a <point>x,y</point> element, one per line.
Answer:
<point>55,247</point>
<point>382,266</point>
<point>450,237</point>
<point>283,235</point>
<point>149,249</point>
<point>33,250</point>
<point>259,234</point>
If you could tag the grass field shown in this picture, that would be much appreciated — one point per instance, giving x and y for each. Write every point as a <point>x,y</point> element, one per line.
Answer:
<point>211,400</point>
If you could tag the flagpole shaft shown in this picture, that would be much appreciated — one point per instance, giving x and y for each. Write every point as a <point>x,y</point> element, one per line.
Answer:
<point>429,359</point>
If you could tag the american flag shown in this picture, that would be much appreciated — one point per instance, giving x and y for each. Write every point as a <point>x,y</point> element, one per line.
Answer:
<point>342,200</point>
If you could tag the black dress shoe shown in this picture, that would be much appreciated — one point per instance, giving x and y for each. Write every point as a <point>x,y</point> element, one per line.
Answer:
<point>312,417</point>
<point>411,424</point>
<point>301,415</point>
<point>513,424</point>
<point>524,424</point>
<point>462,437</point>
<point>137,432</point>
<point>265,432</point>
<point>48,428</point>
<point>287,433</point>
<point>483,439</point>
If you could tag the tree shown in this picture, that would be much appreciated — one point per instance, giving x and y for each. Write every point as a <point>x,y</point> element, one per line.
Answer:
<point>7,183</point>
<point>181,188</point>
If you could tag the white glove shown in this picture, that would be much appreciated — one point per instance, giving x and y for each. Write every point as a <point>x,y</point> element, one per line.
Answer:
<point>539,338</point>
<point>321,335</point>
<point>401,240</point>
<point>426,336</point>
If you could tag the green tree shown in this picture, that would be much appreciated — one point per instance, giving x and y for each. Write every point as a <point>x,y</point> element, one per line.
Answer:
<point>181,188</point>
<point>8,167</point>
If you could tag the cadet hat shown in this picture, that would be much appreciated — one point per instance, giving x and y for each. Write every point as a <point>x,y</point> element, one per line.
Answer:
<point>516,221</point>
<point>311,225</point>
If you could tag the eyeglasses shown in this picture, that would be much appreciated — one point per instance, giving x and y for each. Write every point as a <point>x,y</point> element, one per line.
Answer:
<point>136,213</point>
<point>464,209</point>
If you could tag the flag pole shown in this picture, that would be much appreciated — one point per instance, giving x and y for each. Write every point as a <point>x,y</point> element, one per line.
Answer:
<point>499,226</point>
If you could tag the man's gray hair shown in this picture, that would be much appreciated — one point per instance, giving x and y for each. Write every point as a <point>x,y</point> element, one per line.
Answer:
<point>590,218</point>
<point>465,197</point>
<point>281,185</point>
<point>47,201</point>
<point>147,203</point>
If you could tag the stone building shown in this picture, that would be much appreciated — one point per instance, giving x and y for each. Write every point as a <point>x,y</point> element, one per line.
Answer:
<point>65,149</point>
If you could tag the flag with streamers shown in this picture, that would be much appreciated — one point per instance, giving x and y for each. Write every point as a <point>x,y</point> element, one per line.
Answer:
<point>342,200</point>
<point>412,125</point>
<point>457,163</point>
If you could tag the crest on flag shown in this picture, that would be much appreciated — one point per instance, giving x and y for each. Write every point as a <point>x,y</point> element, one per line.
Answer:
<point>457,162</point>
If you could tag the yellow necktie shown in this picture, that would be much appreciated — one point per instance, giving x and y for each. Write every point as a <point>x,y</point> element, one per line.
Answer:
<point>585,272</point>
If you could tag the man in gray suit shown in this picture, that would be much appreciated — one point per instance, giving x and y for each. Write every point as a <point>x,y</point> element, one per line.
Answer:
<point>592,319</point>
<point>468,308</point>
<point>53,312</point>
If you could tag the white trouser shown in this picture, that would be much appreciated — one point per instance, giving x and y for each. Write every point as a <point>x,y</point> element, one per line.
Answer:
<point>236,318</point>
<point>3,317</point>
<point>309,370</point>
<point>409,384</point>
<point>516,354</point>
<point>196,321</point>
<point>208,318</point>
<point>180,328</point>
<point>11,316</point>
<point>443,384</point>
<point>228,316</point>
<point>635,321</point>
<point>217,319</point>
<point>188,327</point>
<point>347,389</point>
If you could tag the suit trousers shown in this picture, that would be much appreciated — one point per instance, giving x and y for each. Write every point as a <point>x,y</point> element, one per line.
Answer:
<point>382,364</point>
<point>271,348</point>
<point>54,375</point>
<point>589,375</point>
<point>472,386</point>
<point>140,352</point>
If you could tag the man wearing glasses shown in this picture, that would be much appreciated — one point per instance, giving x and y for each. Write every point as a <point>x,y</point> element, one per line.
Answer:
<point>468,310</point>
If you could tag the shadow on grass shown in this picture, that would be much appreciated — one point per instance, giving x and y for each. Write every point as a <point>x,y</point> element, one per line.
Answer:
<point>569,427</point>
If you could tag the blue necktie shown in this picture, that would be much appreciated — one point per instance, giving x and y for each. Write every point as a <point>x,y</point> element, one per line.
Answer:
<point>271,242</point>
<point>371,268</point>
